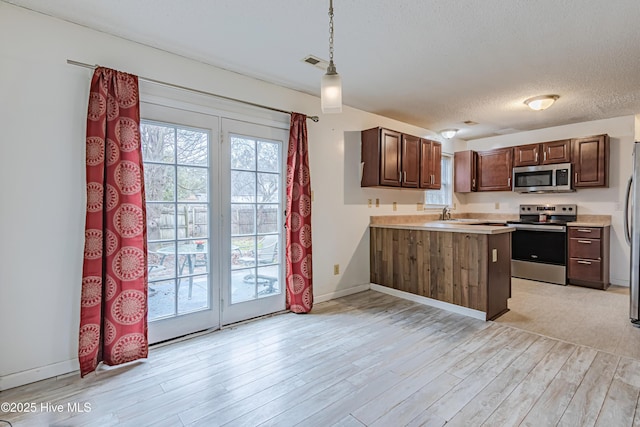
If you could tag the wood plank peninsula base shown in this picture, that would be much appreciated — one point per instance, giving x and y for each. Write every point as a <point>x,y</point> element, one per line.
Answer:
<point>464,268</point>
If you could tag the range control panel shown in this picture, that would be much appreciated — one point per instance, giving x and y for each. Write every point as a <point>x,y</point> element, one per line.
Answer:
<point>550,209</point>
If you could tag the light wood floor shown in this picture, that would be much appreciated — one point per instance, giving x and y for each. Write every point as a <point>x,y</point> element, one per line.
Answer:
<point>366,359</point>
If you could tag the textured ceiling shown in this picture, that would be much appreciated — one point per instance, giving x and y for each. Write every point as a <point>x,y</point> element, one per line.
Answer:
<point>431,63</point>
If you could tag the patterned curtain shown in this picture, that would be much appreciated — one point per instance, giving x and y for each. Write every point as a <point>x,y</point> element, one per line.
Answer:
<point>113,314</point>
<point>298,219</point>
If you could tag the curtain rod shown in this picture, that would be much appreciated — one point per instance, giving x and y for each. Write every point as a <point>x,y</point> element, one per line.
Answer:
<point>93,67</point>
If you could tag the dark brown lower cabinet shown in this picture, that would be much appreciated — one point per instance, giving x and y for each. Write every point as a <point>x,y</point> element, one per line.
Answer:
<point>589,257</point>
<point>457,268</point>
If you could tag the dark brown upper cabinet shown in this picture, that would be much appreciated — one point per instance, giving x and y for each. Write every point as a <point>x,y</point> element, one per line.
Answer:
<point>394,159</point>
<point>410,161</point>
<point>430,164</point>
<point>464,171</point>
<point>494,169</point>
<point>526,155</point>
<point>590,158</point>
<point>381,156</point>
<point>556,152</point>
<point>545,153</point>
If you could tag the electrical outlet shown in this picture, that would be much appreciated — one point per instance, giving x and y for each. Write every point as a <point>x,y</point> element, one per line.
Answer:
<point>377,203</point>
<point>497,205</point>
<point>395,206</point>
<point>336,269</point>
<point>369,203</point>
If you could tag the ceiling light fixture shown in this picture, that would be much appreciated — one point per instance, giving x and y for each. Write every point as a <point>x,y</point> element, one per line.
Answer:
<point>331,85</point>
<point>539,103</point>
<point>448,133</point>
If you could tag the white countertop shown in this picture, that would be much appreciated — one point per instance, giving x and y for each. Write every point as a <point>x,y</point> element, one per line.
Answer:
<point>465,226</point>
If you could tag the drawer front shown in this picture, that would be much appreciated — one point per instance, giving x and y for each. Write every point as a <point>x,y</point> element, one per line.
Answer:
<point>585,269</point>
<point>584,248</point>
<point>587,232</point>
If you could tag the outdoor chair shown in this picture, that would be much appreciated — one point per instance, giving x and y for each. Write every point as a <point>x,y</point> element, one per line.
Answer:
<point>266,254</point>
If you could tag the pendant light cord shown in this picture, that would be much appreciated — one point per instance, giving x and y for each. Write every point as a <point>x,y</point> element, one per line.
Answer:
<point>331,69</point>
<point>331,31</point>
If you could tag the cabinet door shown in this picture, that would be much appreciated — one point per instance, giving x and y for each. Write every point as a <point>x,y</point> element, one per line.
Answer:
<point>494,170</point>
<point>390,159</point>
<point>590,161</point>
<point>430,164</point>
<point>464,171</point>
<point>526,155</point>
<point>556,152</point>
<point>410,161</point>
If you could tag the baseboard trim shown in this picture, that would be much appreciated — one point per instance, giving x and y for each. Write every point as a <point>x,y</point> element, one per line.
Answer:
<point>341,293</point>
<point>38,374</point>
<point>476,314</point>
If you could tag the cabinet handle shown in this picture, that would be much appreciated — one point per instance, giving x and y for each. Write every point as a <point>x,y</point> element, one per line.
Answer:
<point>584,230</point>
<point>473,183</point>
<point>433,179</point>
<point>588,242</point>
<point>399,176</point>
<point>509,181</point>
<point>584,262</point>
<point>545,156</point>
<point>536,157</point>
<point>575,178</point>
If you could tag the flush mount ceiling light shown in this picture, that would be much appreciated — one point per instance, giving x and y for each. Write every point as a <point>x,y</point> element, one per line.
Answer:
<point>539,103</point>
<point>331,85</point>
<point>448,133</point>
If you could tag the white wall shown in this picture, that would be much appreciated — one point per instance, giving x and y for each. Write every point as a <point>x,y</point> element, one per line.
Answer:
<point>42,116</point>
<point>597,201</point>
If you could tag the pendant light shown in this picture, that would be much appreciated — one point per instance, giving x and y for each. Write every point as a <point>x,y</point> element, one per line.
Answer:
<point>331,84</point>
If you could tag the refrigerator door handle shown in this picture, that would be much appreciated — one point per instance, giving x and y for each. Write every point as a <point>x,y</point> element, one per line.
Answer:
<point>627,229</point>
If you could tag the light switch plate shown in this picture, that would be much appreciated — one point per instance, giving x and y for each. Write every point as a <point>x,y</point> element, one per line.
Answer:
<point>395,206</point>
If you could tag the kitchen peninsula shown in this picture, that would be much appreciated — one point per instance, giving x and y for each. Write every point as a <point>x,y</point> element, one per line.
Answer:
<point>459,265</point>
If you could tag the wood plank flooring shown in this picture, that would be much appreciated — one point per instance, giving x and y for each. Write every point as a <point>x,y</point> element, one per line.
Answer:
<point>368,359</point>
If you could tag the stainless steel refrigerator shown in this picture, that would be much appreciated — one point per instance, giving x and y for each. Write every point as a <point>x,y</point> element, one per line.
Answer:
<point>632,234</point>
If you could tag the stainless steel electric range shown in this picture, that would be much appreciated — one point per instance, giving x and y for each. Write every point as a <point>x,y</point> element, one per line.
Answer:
<point>539,243</point>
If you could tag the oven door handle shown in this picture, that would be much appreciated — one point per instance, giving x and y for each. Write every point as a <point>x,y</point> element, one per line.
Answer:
<point>551,228</point>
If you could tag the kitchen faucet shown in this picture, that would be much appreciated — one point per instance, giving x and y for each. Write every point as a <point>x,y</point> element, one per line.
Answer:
<point>446,213</point>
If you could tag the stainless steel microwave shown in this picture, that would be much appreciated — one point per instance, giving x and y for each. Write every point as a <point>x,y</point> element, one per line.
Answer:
<point>543,178</point>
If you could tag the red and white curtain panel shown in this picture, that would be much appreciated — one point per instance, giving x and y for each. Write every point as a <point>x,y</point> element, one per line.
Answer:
<point>113,315</point>
<point>298,219</point>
